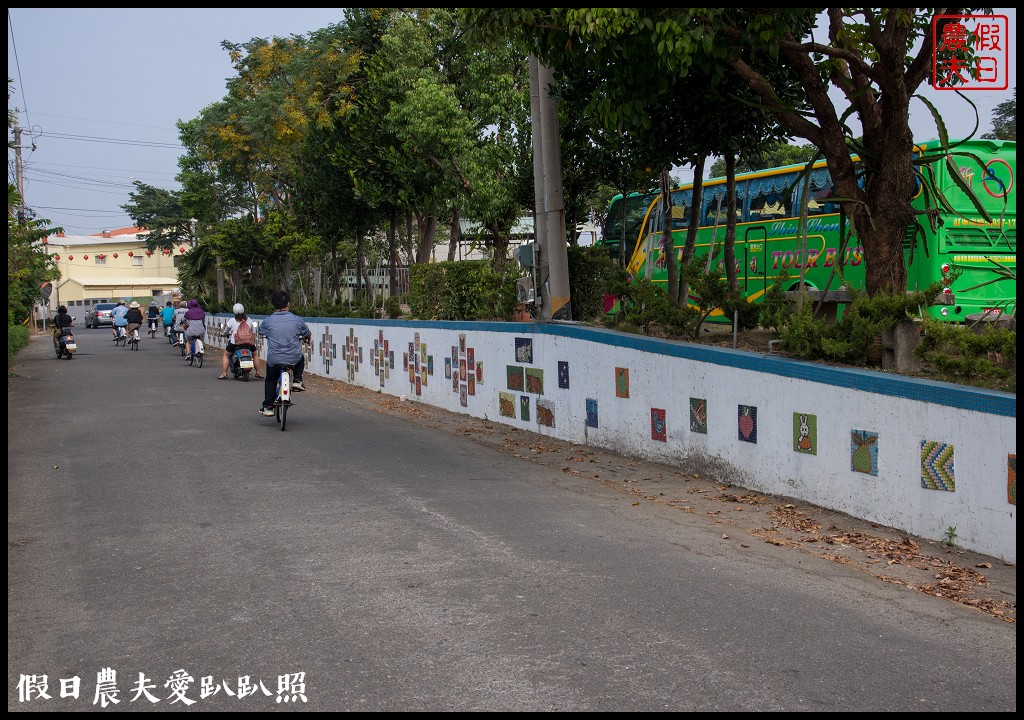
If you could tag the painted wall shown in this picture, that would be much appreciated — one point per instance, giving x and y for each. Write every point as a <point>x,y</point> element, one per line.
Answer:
<point>914,455</point>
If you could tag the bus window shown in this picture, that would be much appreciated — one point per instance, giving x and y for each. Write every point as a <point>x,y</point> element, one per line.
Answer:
<point>711,208</point>
<point>769,197</point>
<point>682,206</point>
<point>821,189</point>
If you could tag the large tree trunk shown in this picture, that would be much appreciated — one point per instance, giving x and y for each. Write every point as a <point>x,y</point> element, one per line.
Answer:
<point>730,223</point>
<point>456,235</point>
<point>392,256</point>
<point>697,200</point>
<point>409,251</point>
<point>668,246</point>
<point>427,230</point>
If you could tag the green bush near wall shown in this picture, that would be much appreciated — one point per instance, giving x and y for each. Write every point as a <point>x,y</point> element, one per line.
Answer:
<point>592,275</point>
<point>17,338</point>
<point>463,290</point>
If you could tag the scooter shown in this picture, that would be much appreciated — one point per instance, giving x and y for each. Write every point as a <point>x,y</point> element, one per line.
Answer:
<point>241,364</point>
<point>64,343</point>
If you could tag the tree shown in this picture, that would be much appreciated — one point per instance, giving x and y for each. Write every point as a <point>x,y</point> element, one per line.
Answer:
<point>1004,121</point>
<point>28,265</point>
<point>159,211</point>
<point>769,155</point>
<point>876,59</point>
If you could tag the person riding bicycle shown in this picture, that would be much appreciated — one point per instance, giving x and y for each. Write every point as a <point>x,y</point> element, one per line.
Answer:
<point>167,316</point>
<point>194,324</point>
<point>133,317</point>
<point>244,339</point>
<point>152,317</point>
<point>284,332</point>
<point>60,321</point>
<point>178,322</point>
<point>117,317</point>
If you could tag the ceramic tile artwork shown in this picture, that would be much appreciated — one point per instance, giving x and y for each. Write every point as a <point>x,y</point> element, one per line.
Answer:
<point>448,368</point>
<point>658,427</point>
<point>535,381</point>
<point>591,412</point>
<point>746,416</point>
<point>699,415</point>
<point>937,466</point>
<point>471,384</point>
<point>621,382</point>
<point>506,404</point>
<point>545,413</point>
<point>480,371</point>
<point>1011,479</point>
<point>805,433</point>
<point>864,452</point>
<point>515,376</point>
<point>524,407</point>
<point>524,350</point>
<point>563,374</point>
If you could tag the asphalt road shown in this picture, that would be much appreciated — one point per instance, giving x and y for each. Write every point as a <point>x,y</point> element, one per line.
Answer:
<point>157,525</point>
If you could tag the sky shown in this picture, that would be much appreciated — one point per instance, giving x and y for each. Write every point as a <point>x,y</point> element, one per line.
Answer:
<point>99,91</point>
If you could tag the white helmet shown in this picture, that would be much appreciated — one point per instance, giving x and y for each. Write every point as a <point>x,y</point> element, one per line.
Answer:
<point>238,309</point>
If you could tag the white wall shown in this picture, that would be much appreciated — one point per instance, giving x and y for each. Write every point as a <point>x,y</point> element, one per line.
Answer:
<point>904,413</point>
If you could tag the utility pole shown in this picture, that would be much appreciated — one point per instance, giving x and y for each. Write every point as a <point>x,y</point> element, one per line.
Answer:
<point>19,173</point>
<point>553,256</point>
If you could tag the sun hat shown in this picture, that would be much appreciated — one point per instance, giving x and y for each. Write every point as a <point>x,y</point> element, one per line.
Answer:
<point>134,304</point>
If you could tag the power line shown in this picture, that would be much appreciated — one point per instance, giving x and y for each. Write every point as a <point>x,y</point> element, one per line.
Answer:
<point>21,83</point>
<point>115,141</point>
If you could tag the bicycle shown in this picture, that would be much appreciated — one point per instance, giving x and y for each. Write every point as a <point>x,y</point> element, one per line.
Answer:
<point>196,353</point>
<point>120,335</point>
<point>179,340</point>
<point>152,327</point>
<point>283,401</point>
<point>134,339</point>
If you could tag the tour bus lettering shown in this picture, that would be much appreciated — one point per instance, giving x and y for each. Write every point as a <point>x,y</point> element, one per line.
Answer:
<point>775,259</point>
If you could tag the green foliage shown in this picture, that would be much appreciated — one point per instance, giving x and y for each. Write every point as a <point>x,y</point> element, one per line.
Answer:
<point>592,275</point>
<point>642,304</point>
<point>708,292</point>
<point>463,290</point>
<point>985,356</point>
<point>17,338</point>
<point>859,330</point>
<point>28,266</point>
<point>393,307</point>
<point>1004,120</point>
<point>776,308</point>
<point>748,314</point>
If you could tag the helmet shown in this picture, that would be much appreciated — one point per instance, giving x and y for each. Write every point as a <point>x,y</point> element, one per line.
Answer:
<point>238,309</point>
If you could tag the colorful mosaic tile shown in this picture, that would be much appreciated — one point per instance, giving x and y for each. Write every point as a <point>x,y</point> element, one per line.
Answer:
<point>805,433</point>
<point>430,364</point>
<point>507,404</point>
<point>515,376</point>
<point>864,452</point>
<point>699,415</point>
<point>480,371</point>
<point>328,349</point>
<point>524,350</point>
<point>470,357</point>
<point>545,413</point>
<point>462,369</point>
<point>659,430</point>
<point>746,416</point>
<point>535,380</point>
<point>622,382</point>
<point>524,407</point>
<point>591,412</point>
<point>1011,479</point>
<point>448,368</point>
<point>937,466</point>
<point>462,342</point>
<point>463,396</point>
<point>471,384</point>
<point>563,374</point>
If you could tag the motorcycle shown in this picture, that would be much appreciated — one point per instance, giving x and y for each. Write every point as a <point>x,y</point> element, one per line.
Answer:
<point>64,343</point>
<point>241,364</point>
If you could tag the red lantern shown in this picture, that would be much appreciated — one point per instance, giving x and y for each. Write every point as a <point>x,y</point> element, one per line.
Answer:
<point>71,257</point>
<point>115,256</point>
<point>130,253</point>
<point>100,256</point>
<point>56,257</point>
<point>149,252</point>
<point>85,257</point>
<point>181,249</point>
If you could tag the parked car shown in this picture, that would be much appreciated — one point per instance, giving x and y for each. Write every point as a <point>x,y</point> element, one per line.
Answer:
<point>99,314</point>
